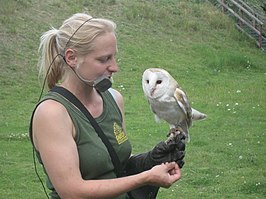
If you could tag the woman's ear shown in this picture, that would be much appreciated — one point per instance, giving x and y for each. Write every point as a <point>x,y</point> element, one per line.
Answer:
<point>70,57</point>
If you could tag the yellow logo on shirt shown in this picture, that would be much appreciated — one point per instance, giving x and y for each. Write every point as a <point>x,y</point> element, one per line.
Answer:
<point>119,134</point>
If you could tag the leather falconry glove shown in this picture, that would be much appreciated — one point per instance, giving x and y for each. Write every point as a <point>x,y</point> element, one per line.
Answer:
<point>171,150</point>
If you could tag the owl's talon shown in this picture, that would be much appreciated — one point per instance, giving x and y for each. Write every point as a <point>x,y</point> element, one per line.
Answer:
<point>171,131</point>
<point>175,134</point>
<point>171,136</point>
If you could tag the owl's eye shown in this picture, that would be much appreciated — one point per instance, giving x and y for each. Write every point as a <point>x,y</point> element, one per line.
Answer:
<point>159,82</point>
<point>147,81</point>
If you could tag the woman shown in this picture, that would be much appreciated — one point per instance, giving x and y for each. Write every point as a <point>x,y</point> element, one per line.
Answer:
<point>80,57</point>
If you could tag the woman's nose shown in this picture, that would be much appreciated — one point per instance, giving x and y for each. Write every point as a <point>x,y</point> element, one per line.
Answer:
<point>113,66</point>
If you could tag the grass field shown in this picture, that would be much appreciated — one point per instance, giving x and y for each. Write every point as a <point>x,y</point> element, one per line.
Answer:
<point>222,71</point>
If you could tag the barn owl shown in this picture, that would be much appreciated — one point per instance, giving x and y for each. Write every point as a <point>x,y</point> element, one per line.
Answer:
<point>168,101</point>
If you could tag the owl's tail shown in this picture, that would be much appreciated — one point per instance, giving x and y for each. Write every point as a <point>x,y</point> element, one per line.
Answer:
<point>196,115</point>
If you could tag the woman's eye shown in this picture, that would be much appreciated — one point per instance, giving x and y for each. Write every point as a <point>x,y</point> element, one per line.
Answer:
<point>104,59</point>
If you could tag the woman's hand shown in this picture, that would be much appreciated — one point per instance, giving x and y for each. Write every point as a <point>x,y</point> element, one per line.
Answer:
<point>164,175</point>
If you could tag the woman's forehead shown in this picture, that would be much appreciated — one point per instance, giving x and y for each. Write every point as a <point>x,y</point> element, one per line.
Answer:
<point>105,43</point>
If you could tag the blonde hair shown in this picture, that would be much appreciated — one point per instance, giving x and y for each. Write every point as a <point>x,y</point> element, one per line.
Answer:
<point>77,32</point>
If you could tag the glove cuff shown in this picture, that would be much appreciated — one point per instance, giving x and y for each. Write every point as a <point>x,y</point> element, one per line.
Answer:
<point>137,163</point>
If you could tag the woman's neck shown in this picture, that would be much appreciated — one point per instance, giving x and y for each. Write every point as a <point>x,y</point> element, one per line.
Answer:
<point>87,95</point>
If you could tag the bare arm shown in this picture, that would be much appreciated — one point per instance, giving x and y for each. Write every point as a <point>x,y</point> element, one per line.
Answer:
<point>53,138</point>
<point>120,102</point>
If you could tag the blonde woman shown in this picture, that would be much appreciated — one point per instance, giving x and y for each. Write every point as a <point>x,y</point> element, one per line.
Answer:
<point>80,58</point>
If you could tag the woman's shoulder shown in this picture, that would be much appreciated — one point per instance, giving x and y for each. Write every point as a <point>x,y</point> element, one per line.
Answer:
<point>116,94</point>
<point>50,108</point>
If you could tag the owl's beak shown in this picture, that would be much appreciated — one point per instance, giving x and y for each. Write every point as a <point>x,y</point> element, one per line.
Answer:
<point>152,91</point>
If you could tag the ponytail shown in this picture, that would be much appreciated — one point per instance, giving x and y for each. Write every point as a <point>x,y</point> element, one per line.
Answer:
<point>51,61</point>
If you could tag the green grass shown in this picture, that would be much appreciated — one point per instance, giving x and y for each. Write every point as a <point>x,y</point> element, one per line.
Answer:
<point>222,71</point>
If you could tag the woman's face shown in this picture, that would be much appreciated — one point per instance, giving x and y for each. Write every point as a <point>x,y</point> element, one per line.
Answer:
<point>101,61</point>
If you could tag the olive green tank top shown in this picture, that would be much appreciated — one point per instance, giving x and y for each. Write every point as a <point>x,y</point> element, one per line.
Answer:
<point>94,159</point>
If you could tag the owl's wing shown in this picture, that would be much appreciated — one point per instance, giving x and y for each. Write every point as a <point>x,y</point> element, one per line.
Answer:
<point>182,100</point>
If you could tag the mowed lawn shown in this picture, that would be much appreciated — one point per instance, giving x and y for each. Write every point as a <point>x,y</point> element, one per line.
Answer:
<point>222,71</point>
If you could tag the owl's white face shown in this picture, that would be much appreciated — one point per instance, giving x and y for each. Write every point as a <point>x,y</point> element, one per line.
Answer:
<point>155,82</point>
